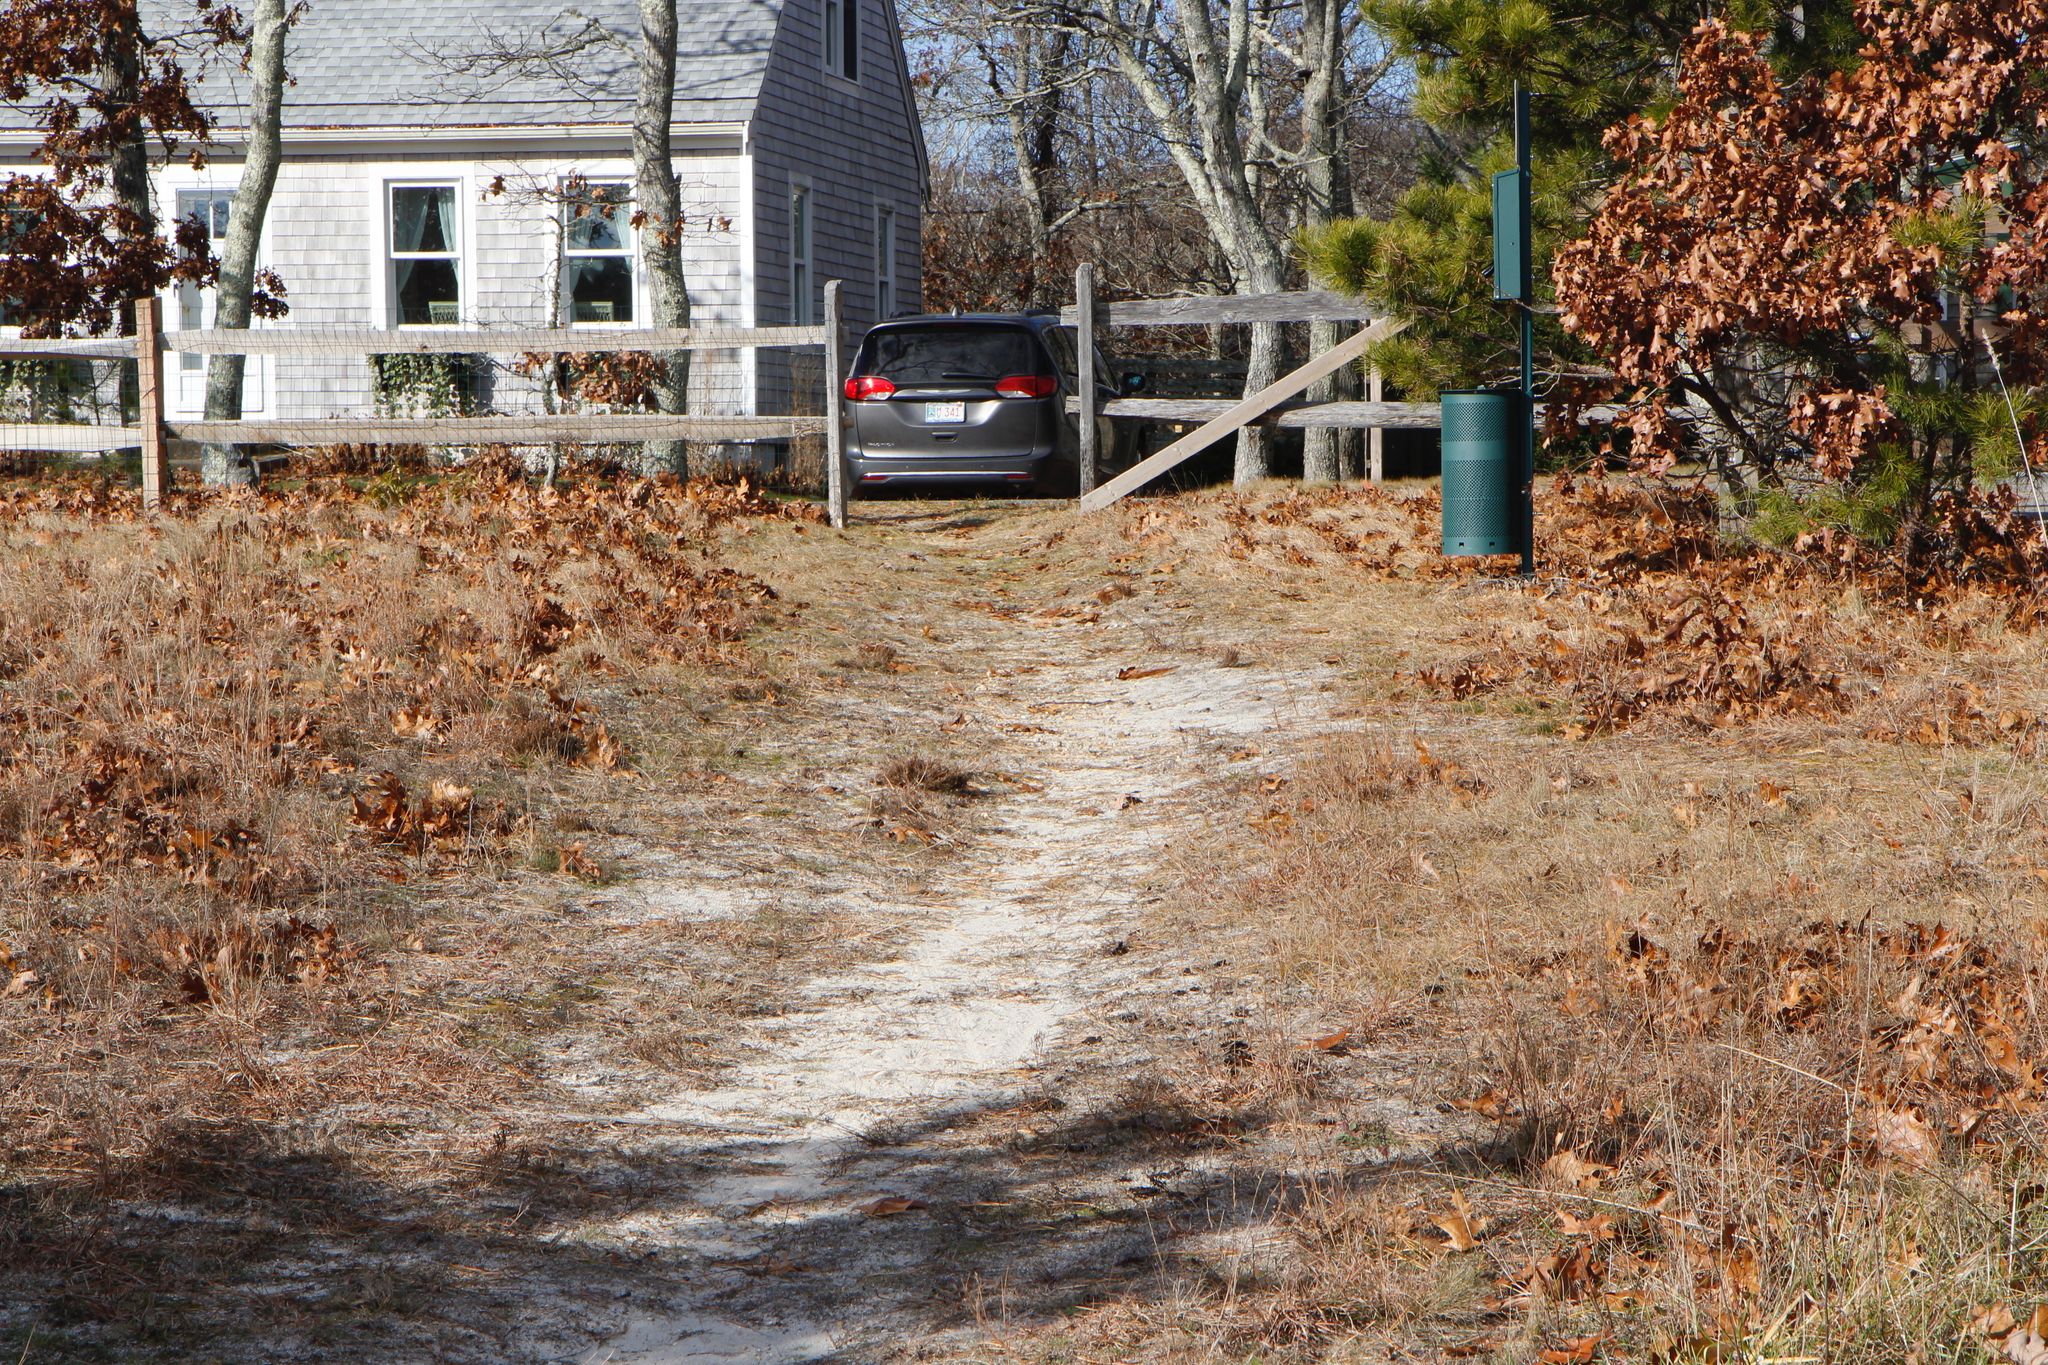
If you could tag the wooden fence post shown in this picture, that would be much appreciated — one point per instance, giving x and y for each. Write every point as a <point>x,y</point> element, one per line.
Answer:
<point>1084,370</point>
<point>835,435</point>
<point>149,355</point>
<point>1376,437</point>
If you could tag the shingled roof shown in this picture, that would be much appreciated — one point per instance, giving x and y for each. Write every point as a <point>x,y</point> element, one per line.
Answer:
<point>410,63</point>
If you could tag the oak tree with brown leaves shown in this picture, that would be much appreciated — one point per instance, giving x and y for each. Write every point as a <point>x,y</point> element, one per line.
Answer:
<point>1810,268</point>
<point>108,94</point>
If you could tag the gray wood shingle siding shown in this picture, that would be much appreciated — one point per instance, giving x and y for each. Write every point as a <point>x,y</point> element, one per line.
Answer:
<point>857,146</point>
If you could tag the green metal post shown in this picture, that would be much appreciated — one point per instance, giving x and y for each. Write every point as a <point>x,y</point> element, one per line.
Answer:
<point>1527,422</point>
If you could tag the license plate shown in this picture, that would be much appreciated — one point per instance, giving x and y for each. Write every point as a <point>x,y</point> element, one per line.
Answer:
<point>945,412</point>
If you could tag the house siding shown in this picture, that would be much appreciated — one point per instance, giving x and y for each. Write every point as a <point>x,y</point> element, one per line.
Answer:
<point>325,238</point>
<point>855,145</point>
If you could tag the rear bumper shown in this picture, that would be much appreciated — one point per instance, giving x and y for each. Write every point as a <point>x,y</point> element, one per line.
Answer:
<point>878,471</point>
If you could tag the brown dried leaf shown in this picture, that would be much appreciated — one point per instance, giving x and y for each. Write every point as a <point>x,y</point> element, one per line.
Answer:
<point>1460,1226</point>
<point>888,1206</point>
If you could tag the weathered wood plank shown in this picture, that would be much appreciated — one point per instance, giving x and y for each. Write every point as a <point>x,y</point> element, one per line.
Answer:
<point>66,439</point>
<point>70,348</point>
<point>1245,410</point>
<point>1188,411</point>
<point>149,352</point>
<point>1084,372</point>
<point>1375,439</point>
<point>540,429</point>
<point>1300,305</point>
<point>1372,416</point>
<point>835,434</point>
<point>505,341</point>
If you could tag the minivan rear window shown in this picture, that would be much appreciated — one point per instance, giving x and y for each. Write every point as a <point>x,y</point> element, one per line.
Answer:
<point>941,353</point>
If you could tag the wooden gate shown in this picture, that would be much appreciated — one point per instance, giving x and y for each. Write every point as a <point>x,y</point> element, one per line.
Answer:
<point>1278,404</point>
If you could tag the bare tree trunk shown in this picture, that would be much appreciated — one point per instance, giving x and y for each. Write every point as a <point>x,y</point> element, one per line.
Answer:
<point>1033,100</point>
<point>1328,182</point>
<point>1204,136</point>
<point>221,464</point>
<point>658,201</point>
<point>120,80</point>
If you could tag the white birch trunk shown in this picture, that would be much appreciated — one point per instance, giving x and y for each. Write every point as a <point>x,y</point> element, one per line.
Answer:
<point>658,202</point>
<point>220,464</point>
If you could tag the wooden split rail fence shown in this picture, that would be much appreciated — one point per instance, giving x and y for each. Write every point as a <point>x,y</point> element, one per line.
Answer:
<point>153,432</point>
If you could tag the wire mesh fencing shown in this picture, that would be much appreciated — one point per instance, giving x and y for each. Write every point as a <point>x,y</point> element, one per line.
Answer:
<point>705,399</point>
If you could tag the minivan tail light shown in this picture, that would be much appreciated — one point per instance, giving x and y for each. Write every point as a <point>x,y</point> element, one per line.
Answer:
<point>865,386</point>
<point>1027,386</point>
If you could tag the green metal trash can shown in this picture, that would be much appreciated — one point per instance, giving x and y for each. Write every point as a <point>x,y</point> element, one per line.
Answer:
<point>1482,458</point>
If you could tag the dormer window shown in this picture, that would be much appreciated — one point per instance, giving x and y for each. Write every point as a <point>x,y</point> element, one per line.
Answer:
<point>842,38</point>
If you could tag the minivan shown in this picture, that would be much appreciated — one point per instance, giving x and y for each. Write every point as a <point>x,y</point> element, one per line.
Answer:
<point>978,398</point>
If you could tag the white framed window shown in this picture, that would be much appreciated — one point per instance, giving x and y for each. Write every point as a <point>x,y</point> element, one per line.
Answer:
<point>14,225</point>
<point>802,312</point>
<point>885,263</point>
<point>211,209</point>
<point>597,253</point>
<point>198,308</point>
<point>841,20</point>
<point>425,254</point>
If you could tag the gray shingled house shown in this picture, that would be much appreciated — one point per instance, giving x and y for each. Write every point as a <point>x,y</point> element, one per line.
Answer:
<point>422,188</point>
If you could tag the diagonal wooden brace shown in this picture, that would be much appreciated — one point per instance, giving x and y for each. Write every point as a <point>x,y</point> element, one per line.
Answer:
<point>1250,410</point>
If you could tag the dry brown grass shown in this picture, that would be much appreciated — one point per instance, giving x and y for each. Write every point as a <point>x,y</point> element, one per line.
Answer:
<point>918,798</point>
<point>1702,946</point>
<point>227,737</point>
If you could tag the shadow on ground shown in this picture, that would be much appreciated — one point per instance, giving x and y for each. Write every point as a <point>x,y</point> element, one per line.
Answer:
<point>245,1250</point>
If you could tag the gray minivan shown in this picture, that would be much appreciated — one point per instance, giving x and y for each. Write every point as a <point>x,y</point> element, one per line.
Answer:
<point>971,398</point>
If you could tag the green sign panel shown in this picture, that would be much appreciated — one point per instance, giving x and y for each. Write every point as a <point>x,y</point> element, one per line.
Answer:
<point>1510,253</point>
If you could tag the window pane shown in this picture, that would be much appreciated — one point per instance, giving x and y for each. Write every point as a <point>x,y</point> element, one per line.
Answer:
<point>599,222</point>
<point>428,292</point>
<point>191,316</point>
<point>601,290</point>
<point>938,351</point>
<point>885,264</point>
<point>1060,341</point>
<point>832,35</point>
<point>423,219</point>
<point>849,48</point>
<point>211,211</point>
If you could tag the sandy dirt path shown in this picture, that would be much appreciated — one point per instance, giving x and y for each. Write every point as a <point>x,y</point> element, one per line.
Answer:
<point>831,1185</point>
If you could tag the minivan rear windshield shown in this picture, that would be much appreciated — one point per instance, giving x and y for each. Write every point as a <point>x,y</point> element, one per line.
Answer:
<point>949,353</point>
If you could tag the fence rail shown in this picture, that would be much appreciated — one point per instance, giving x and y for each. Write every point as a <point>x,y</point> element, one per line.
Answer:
<point>541,429</point>
<point>1201,310</point>
<point>1392,416</point>
<point>70,348</point>
<point>486,341</point>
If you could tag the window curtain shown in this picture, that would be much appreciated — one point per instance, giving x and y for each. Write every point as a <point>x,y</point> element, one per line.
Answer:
<point>410,213</point>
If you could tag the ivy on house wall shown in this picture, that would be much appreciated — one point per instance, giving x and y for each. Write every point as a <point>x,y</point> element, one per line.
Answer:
<point>428,386</point>
<point>44,391</point>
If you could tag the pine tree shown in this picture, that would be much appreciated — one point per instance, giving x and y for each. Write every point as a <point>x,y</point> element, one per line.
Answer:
<point>1590,64</point>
